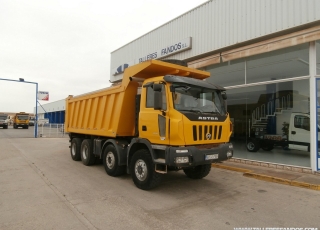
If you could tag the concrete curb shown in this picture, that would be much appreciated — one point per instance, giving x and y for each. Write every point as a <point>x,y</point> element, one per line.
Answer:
<point>249,173</point>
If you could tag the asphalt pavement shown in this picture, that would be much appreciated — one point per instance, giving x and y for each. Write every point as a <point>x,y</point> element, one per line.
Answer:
<point>43,188</point>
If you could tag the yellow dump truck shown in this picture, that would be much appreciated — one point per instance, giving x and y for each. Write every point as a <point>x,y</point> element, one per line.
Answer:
<point>161,117</point>
<point>21,119</point>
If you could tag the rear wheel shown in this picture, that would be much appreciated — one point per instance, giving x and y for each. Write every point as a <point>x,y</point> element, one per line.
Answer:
<point>267,146</point>
<point>87,156</point>
<point>197,172</point>
<point>111,162</point>
<point>253,145</point>
<point>75,149</point>
<point>142,170</point>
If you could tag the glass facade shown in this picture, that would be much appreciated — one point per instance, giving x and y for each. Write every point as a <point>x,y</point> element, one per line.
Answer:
<point>270,118</point>
<point>318,121</point>
<point>270,115</point>
<point>318,56</point>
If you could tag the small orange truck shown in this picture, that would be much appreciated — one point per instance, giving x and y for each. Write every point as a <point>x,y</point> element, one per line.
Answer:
<point>21,119</point>
<point>161,117</point>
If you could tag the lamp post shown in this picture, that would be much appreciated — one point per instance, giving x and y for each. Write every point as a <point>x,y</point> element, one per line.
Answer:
<point>23,81</point>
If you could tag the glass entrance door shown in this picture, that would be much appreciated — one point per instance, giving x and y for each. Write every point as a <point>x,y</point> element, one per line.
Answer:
<point>318,122</point>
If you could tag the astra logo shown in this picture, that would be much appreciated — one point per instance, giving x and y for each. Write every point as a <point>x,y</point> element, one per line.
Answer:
<point>121,68</point>
<point>208,118</point>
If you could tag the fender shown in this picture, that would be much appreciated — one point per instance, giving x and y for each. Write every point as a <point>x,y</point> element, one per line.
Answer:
<point>121,147</point>
<point>133,146</point>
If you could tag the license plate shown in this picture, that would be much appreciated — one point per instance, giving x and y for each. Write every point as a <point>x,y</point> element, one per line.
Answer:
<point>211,157</point>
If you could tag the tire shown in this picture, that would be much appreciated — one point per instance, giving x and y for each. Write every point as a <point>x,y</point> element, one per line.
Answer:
<point>5,127</point>
<point>253,145</point>
<point>75,149</point>
<point>111,162</point>
<point>14,126</point>
<point>267,146</point>
<point>197,172</point>
<point>142,170</point>
<point>86,152</point>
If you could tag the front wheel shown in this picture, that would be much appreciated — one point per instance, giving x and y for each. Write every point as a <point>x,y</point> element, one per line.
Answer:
<point>142,170</point>
<point>197,172</point>
<point>253,145</point>
<point>111,162</point>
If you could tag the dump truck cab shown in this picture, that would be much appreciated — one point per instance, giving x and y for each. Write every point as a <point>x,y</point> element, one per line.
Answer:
<point>185,121</point>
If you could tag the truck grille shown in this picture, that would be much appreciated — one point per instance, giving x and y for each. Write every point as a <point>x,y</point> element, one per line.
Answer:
<point>207,132</point>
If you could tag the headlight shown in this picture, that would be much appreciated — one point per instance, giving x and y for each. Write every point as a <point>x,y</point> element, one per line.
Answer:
<point>182,160</point>
<point>230,146</point>
<point>229,153</point>
<point>182,150</point>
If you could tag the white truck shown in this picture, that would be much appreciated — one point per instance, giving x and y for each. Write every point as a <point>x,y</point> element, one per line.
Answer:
<point>296,135</point>
<point>4,120</point>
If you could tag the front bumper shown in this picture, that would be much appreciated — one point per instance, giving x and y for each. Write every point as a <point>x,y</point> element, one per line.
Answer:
<point>198,155</point>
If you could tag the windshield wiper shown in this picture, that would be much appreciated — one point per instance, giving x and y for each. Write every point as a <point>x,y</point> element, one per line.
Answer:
<point>191,110</point>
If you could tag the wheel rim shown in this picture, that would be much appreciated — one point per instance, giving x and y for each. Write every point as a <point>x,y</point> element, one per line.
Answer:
<point>110,160</point>
<point>141,170</point>
<point>250,146</point>
<point>85,152</point>
<point>73,149</point>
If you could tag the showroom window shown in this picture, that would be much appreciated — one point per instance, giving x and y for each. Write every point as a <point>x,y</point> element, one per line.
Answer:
<point>280,64</point>
<point>278,111</point>
<point>318,56</point>
<point>227,73</point>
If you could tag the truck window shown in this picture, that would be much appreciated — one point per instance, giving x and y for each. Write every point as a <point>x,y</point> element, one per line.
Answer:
<point>194,98</point>
<point>302,122</point>
<point>150,98</point>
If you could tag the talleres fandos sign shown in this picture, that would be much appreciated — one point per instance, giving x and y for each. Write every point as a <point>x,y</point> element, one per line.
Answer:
<point>164,51</point>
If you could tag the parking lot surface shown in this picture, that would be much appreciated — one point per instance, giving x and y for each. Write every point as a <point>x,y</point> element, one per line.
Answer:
<point>43,188</point>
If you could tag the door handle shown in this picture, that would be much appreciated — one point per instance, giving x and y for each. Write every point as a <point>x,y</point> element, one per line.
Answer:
<point>144,128</point>
<point>293,132</point>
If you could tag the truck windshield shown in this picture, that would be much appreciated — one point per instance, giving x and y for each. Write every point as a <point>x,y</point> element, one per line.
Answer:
<point>197,99</point>
<point>3,117</point>
<point>23,117</point>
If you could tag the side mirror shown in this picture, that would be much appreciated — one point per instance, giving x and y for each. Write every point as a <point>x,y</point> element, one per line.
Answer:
<point>224,95</point>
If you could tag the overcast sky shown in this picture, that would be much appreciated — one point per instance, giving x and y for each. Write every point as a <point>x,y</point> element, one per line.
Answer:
<point>65,45</point>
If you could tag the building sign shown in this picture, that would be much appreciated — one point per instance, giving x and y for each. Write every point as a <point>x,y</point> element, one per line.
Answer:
<point>43,95</point>
<point>164,51</point>
<point>167,50</point>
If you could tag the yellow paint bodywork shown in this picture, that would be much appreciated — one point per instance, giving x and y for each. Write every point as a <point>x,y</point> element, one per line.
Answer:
<point>17,121</point>
<point>110,112</point>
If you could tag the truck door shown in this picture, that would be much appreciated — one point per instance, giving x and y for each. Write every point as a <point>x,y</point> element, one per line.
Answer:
<point>299,134</point>
<point>153,123</point>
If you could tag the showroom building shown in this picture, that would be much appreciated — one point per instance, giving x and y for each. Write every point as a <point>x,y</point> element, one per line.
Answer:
<point>266,54</point>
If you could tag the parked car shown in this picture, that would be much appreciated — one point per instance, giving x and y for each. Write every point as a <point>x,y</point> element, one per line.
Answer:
<point>31,122</point>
